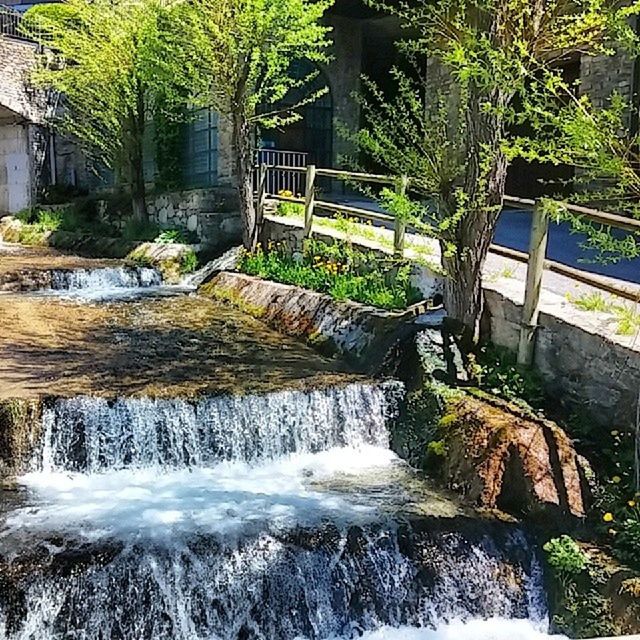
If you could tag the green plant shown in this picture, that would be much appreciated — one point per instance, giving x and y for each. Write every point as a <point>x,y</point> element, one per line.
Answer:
<point>565,556</point>
<point>172,236</point>
<point>337,269</point>
<point>188,262</point>
<point>290,209</point>
<point>593,301</point>
<point>496,370</point>
<point>627,316</point>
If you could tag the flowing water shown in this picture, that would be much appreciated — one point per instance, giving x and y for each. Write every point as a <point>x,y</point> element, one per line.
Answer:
<point>281,515</point>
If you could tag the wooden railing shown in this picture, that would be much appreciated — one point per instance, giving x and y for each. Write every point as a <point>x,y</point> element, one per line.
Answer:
<point>536,258</point>
<point>312,204</point>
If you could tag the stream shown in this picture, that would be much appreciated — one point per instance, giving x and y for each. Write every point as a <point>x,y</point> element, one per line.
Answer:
<point>228,484</point>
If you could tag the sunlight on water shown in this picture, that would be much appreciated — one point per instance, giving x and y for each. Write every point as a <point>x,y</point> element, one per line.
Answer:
<point>230,498</point>
<point>493,629</point>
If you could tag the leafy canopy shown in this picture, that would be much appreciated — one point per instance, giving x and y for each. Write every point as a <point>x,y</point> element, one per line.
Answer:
<point>476,69</point>
<point>248,47</point>
<point>114,63</point>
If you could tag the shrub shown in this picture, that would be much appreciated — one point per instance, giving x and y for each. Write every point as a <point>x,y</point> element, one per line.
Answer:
<point>188,262</point>
<point>171,236</point>
<point>497,372</point>
<point>565,556</point>
<point>338,270</point>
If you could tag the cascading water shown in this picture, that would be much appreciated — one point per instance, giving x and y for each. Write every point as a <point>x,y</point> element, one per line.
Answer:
<point>217,519</point>
<point>105,278</point>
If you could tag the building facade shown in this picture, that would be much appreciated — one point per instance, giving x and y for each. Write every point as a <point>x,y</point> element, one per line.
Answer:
<point>363,44</point>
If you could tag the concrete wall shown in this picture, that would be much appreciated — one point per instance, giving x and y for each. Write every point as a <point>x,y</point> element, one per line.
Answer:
<point>581,367</point>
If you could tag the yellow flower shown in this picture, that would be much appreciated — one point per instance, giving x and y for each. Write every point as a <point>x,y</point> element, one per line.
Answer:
<point>616,479</point>
<point>632,503</point>
<point>608,517</point>
<point>615,433</point>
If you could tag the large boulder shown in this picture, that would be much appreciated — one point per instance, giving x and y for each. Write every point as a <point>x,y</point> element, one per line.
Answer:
<point>502,457</point>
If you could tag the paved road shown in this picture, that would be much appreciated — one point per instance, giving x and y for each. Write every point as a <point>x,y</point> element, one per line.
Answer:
<point>513,232</point>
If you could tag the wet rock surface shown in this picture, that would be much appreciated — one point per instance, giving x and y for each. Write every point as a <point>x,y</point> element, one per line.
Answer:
<point>165,347</point>
<point>498,456</point>
<point>310,583</point>
<point>31,268</point>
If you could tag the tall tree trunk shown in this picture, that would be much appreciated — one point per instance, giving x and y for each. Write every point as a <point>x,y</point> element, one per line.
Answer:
<point>243,145</point>
<point>484,186</point>
<point>136,161</point>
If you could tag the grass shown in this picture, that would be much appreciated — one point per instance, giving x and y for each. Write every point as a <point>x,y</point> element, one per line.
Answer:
<point>627,316</point>
<point>338,270</point>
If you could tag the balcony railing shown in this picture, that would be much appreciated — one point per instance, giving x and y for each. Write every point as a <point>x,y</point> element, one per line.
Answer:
<point>10,21</point>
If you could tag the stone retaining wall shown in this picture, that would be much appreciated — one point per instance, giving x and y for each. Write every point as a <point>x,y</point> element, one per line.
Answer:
<point>359,332</point>
<point>581,368</point>
<point>212,214</point>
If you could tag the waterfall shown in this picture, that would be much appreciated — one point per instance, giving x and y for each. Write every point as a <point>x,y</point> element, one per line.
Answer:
<point>311,584</point>
<point>257,517</point>
<point>105,278</point>
<point>94,434</point>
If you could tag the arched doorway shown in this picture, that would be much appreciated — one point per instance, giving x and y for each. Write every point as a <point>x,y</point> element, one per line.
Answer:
<point>313,134</point>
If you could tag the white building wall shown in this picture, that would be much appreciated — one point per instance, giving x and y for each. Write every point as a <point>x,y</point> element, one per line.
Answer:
<point>15,168</point>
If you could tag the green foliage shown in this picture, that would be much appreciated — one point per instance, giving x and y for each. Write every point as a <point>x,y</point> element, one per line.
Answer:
<point>497,372</point>
<point>480,70</point>
<point>338,270</point>
<point>188,262</point>
<point>565,556</point>
<point>627,315</point>
<point>174,236</point>
<point>290,209</point>
<point>116,63</point>
<point>39,221</point>
<point>247,47</point>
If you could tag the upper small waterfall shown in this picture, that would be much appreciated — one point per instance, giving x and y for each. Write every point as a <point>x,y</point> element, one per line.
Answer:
<point>94,434</point>
<point>105,278</point>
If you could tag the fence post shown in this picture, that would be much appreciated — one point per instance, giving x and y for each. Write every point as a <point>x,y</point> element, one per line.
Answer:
<point>535,267</point>
<point>309,199</point>
<point>400,225</point>
<point>262,194</point>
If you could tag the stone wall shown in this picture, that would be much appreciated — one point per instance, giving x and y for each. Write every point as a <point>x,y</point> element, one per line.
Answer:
<point>360,333</point>
<point>211,214</point>
<point>18,59</point>
<point>581,368</point>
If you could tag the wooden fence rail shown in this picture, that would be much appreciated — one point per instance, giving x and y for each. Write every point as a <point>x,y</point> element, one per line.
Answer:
<point>536,258</point>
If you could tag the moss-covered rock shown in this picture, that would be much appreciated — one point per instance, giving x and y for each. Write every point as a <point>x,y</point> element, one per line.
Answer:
<point>502,457</point>
<point>20,428</point>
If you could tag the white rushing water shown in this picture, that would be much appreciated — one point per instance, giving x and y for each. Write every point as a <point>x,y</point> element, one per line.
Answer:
<point>93,434</point>
<point>105,278</point>
<point>493,629</point>
<point>212,519</point>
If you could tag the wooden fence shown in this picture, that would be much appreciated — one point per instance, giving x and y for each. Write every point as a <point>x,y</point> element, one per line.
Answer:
<point>535,259</point>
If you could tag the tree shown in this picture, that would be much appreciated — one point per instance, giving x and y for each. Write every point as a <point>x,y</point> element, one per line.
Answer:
<point>479,67</point>
<point>247,48</point>
<point>114,63</point>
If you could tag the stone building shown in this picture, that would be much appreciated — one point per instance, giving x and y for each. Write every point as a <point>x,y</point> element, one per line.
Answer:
<point>363,44</point>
